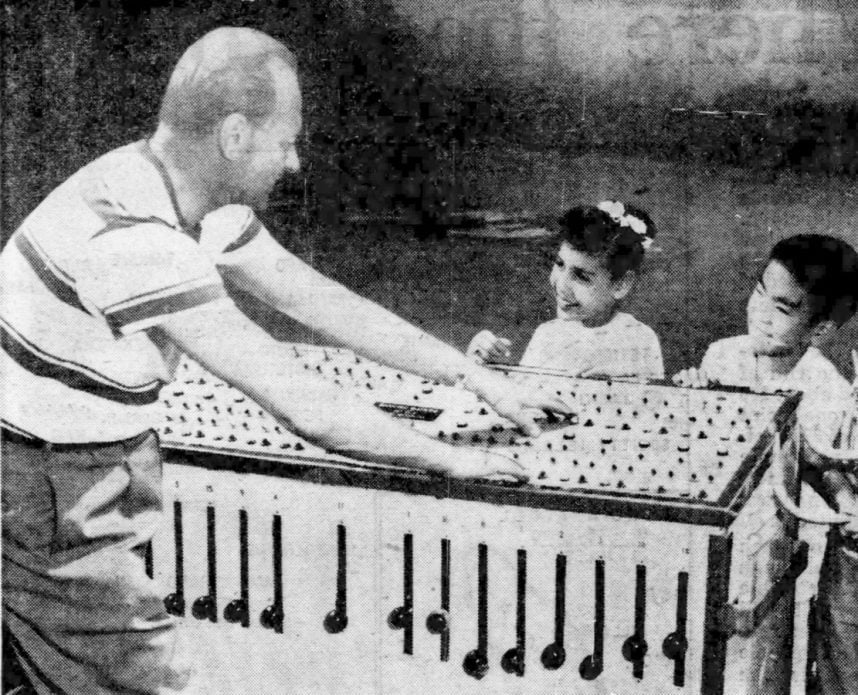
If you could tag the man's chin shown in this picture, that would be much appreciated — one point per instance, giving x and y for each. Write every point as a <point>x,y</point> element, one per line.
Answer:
<point>255,200</point>
<point>259,202</point>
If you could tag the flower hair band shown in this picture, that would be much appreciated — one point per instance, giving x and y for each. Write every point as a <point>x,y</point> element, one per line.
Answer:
<point>617,212</point>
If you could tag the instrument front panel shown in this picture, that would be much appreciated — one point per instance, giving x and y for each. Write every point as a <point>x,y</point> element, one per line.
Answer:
<point>364,647</point>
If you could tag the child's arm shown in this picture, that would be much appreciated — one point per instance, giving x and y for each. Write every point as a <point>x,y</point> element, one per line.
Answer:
<point>485,346</point>
<point>699,377</point>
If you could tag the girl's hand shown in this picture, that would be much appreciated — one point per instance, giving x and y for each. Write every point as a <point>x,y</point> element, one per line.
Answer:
<point>487,347</point>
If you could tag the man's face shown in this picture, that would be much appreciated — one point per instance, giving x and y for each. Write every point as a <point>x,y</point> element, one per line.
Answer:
<point>780,318</point>
<point>273,148</point>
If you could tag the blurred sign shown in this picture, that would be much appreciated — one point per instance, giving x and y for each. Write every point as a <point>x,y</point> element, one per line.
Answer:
<point>705,45</point>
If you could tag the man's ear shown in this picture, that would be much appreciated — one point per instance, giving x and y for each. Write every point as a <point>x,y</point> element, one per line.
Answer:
<point>622,286</point>
<point>823,332</point>
<point>234,136</point>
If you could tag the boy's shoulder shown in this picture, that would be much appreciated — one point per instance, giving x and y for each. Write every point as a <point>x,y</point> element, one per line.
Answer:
<point>731,362</point>
<point>815,371</point>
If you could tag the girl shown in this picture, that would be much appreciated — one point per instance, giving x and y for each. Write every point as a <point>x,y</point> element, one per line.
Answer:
<point>597,264</point>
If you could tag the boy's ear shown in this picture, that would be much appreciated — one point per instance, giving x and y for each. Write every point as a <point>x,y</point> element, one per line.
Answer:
<point>823,332</point>
<point>622,286</point>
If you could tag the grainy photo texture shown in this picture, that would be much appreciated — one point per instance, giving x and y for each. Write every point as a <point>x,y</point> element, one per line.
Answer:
<point>411,346</point>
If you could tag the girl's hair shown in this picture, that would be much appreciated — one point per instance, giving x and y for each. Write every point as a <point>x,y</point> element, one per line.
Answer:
<point>609,234</point>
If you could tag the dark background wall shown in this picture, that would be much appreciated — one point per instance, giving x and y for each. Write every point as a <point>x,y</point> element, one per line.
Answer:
<point>82,77</point>
<point>398,92</point>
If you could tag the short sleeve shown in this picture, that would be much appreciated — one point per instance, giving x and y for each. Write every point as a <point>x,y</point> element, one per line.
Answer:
<point>137,276</point>
<point>827,400</point>
<point>821,416</point>
<point>232,234</point>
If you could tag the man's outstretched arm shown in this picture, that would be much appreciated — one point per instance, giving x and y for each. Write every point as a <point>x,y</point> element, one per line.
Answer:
<point>292,287</point>
<point>234,348</point>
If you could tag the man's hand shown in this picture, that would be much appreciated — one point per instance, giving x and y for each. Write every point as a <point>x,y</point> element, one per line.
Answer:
<point>692,378</point>
<point>479,463</point>
<point>487,347</point>
<point>521,403</point>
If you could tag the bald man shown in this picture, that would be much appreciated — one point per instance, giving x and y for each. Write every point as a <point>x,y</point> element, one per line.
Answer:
<point>115,274</point>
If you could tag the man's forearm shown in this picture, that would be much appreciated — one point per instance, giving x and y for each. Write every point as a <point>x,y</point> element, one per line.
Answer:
<point>338,422</point>
<point>321,412</point>
<point>373,331</point>
<point>294,288</point>
<point>324,305</point>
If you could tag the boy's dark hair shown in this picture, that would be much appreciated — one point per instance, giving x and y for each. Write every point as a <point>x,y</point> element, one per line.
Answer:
<point>590,230</point>
<point>827,269</point>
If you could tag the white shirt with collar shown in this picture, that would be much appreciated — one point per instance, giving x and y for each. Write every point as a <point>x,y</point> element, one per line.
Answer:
<point>622,347</point>
<point>827,393</point>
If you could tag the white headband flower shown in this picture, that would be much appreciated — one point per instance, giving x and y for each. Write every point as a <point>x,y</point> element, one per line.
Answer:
<point>617,212</point>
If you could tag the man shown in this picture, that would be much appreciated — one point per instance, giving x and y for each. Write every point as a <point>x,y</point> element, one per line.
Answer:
<point>114,275</point>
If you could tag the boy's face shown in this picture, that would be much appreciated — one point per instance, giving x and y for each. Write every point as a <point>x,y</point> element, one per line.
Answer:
<point>780,318</point>
<point>583,288</point>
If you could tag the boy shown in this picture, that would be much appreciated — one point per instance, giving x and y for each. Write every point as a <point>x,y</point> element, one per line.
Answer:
<point>807,290</point>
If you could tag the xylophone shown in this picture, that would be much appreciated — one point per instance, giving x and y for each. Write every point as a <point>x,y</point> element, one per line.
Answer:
<point>646,555</point>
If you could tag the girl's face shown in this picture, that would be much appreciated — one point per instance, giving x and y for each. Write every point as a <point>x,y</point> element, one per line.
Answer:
<point>583,288</point>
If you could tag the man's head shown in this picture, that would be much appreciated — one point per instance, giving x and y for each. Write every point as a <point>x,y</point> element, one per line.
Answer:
<point>808,288</point>
<point>234,101</point>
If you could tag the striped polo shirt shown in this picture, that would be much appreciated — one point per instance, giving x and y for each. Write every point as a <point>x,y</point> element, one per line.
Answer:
<point>103,258</point>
